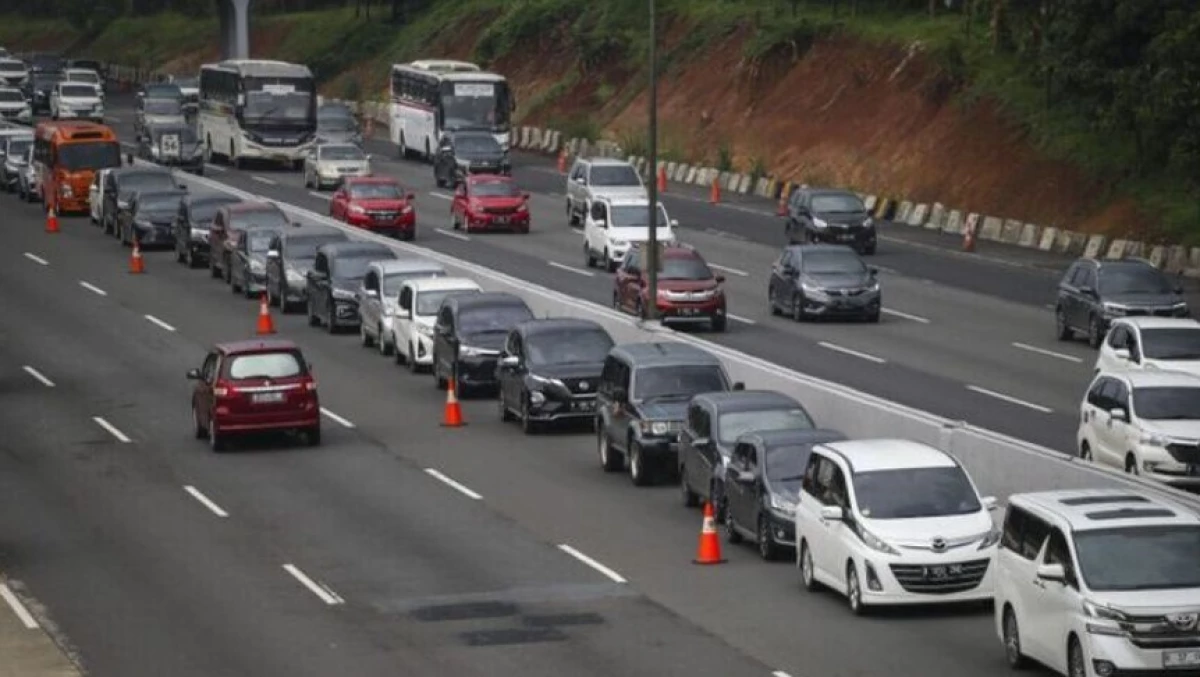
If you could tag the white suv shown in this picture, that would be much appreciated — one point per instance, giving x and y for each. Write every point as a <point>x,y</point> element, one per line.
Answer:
<point>1146,422</point>
<point>1165,343</point>
<point>418,304</point>
<point>614,224</point>
<point>592,178</point>
<point>893,522</point>
<point>1099,582</point>
<point>76,100</point>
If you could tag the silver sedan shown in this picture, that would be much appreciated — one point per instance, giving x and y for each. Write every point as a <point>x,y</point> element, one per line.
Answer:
<point>329,163</point>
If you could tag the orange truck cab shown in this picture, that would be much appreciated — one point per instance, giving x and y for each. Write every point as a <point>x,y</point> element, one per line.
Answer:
<point>67,155</point>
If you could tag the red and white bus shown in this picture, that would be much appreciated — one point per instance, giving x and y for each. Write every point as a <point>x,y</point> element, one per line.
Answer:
<point>431,97</point>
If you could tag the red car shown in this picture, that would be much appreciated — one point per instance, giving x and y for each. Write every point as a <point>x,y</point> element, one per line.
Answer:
<point>688,291</point>
<point>490,202</point>
<point>376,203</point>
<point>254,386</point>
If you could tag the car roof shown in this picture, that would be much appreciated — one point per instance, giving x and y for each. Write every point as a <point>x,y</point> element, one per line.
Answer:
<point>1151,322</point>
<point>626,200</point>
<point>255,346</point>
<point>811,248</point>
<point>488,178</point>
<point>748,400</point>
<point>421,284</point>
<point>313,230</point>
<point>371,180</point>
<point>1128,262</point>
<point>664,353</point>
<point>1087,509</point>
<point>487,298</point>
<point>178,192</point>
<point>606,162</point>
<point>556,324</point>
<point>408,264</point>
<point>791,436</point>
<point>1157,378</point>
<point>889,454</point>
<point>209,198</point>
<point>354,248</point>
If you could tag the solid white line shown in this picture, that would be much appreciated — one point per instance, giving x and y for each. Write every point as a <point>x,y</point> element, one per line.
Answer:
<point>850,351</point>
<point>36,259</point>
<point>160,323</point>
<point>731,271</point>
<point>450,233</point>
<point>18,608</point>
<point>571,269</point>
<point>1010,399</point>
<point>213,168</point>
<point>907,316</point>
<point>92,288</point>
<point>205,501</point>
<point>1048,353</point>
<point>442,196</point>
<point>614,576</point>
<point>262,179</point>
<point>112,430</point>
<point>345,423</point>
<point>39,376</point>
<point>320,196</point>
<point>326,595</point>
<point>457,486</point>
<point>739,318</point>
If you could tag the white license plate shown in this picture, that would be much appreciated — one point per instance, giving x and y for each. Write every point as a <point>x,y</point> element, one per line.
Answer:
<point>502,220</point>
<point>688,311</point>
<point>1181,659</point>
<point>266,398</point>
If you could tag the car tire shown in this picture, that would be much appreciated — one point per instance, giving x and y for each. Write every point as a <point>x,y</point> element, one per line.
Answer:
<point>412,359</point>
<point>502,407</point>
<point>1131,465</point>
<point>200,431</point>
<point>797,309</point>
<point>768,549</point>
<point>808,575</point>
<point>729,525</point>
<point>528,425</point>
<point>719,323</point>
<point>610,459</point>
<point>873,318</point>
<point>1011,635</point>
<point>216,440</point>
<point>313,320</point>
<point>385,347</point>
<point>1085,451</point>
<point>213,271</point>
<point>689,498</point>
<point>589,259</point>
<point>854,591</point>
<point>1076,666</point>
<point>1061,328</point>
<point>179,256</point>
<point>363,336</point>
<point>1095,333</point>
<point>312,436</point>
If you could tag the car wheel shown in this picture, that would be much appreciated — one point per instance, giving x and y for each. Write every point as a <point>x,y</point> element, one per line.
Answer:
<point>771,303</point>
<point>797,308</point>
<point>1012,641</point>
<point>808,576</point>
<point>200,430</point>
<point>732,535</point>
<point>610,459</point>
<point>853,590</point>
<point>247,290</point>
<point>1076,667</point>
<point>313,320</point>
<point>216,441</point>
<point>589,259</point>
<point>412,359</point>
<point>363,336</point>
<point>528,425</point>
<point>385,347</point>
<point>1085,451</point>
<point>502,407</point>
<point>688,497</point>
<point>213,271</point>
<point>1131,465</point>
<point>179,257</point>
<point>719,323</point>
<point>767,548</point>
<point>437,376</point>
<point>873,318</point>
<point>313,436</point>
<point>1061,328</point>
<point>1095,332</point>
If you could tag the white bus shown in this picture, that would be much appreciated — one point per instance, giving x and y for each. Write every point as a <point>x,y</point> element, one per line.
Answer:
<point>432,97</point>
<point>257,110</point>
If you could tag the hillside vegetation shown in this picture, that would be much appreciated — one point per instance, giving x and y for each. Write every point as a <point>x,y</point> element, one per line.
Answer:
<point>1078,113</point>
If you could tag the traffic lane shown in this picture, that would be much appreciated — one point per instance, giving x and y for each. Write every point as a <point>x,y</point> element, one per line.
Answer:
<point>386,541</point>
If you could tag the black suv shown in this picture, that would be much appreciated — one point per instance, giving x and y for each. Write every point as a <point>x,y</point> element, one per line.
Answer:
<point>642,401</point>
<point>196,214</point>
<point>831,216</point>
<point>714,423</point>
<point>1093,293</point>
<point>120,185</point>
<point>334,279</point>
<point>289,259</point>
<point>469,334</point>
<point>549,370</point>
<point>150,219</point>
<point>172,145</point>
<point>462,153</point>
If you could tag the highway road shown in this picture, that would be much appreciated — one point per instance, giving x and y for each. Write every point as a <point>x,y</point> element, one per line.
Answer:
<point>399,546</point>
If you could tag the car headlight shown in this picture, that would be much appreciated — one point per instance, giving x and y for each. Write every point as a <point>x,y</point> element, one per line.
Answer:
<point>992,538</point>
<point>820,223</point>
<point>1115,308</point>
<point>199,233</point>
<point>142,225</point>
<point>293,276</point>
<point>355,209</point>
<point>655,427</point>
<point>407,209</point>
<point>1104,620</point>
<point>154,151</point>
<point>471,351</point>
<point>869,223</point>
<point>783,505</point>
<point>122,204</point>
<point>343,294</point>
<point>542,380</point>
<point>874,286</point>
<point>424,329</point>
<point>65,190</point>
<point>1153,440</point>
<point>874,542</point>
<point>811,288</point>
<point>257,267</point>
<point>537,398</point>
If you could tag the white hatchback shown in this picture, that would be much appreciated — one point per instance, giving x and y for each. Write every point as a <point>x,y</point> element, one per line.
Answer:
<point>1162,343</point>
<point>893,522</point>
<point>412,324</point>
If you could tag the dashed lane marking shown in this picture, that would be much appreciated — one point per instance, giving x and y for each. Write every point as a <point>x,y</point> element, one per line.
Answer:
<point>907,316</point>
<point>39,376</point>
<point>322,592</point>
<point>852,352</point>
<point>319,196</point>
<point>442,196</point>
<point>345,423</point>
<point>92,288</point>
<point>609,573</point>
<point>739,318</point>
<point>571,269</point>
<point>731,271</point>
<point>262,179</point>
<point>154,320</point>
<point>453,484</point>
<point>18,608</point>
<point>36,259</point>
<point>205,501</point>
<point>1048,353</point>
<point>112,430</point>
<point>450,233</point>
<point>1010,399</point>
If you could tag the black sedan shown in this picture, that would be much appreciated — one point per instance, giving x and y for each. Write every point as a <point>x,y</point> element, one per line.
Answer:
<point>150,219</point>
<point>289,259</point>
<point>549,370</point>
<point>120,185</point>
<point>196,213</point>
<point>462,153</point>
<point>334,279</point>
<point>820,280</point>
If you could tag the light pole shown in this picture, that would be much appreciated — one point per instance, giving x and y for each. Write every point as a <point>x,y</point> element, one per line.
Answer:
<point>650,310</point>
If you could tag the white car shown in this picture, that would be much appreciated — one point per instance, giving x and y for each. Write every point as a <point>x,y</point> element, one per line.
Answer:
<point>614,224</point>
<point>29,183</point>
<point>412,327</point>
<point>1146,422</point>
<point>76,100</point>
<point>329,163</point>
<point>13,149</point>
<point>592,178</point>
<point>96,195</point>
<point>14,107</point>
<point>85,75</point>
<point>13,72</point>
<point>1162,343</point>
<point>377,298</point>
<point>893,522</point>
<point>1099,582</point>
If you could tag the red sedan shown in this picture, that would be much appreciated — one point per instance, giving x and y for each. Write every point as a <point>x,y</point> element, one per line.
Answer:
<point>376,203</point>
<point>489,202</point>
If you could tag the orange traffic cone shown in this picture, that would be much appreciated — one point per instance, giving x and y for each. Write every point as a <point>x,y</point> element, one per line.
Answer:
<point>709,550</point>
<point>51,221</point>
<point>968,243</point>
<point>562,161</point>
<point>453,417</point>
<point>714,196</point>
<point>265,324</point>
<point>662,179</point>
<point>136,265</point>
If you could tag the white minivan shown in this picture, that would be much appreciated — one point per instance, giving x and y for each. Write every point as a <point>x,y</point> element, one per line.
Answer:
<point>614,224</point>
<point>417,306</point>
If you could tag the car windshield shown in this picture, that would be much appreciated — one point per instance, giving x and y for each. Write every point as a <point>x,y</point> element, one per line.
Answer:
<point>84,76</point>
<point>163,107</point>
<point>265,365</point>
<point>305,248</point>
<point>11,96</point>
<point>258,240</point>
<point>478,144</point>
<point>205,212</point>
<point>189,82</point>
<point>635,216</point>
<point>429,302</point>
<point>76,156</point>
<point>162,92</point>
<point>837,204</point>
<point>734,424</point>
<point>494,189</point>
<point>19,147</point>
<point>586,346</point>
<point>185,134</point>
<point>911,493</point>
<point>786,464</point>
<point>678,382</point>
<point>1176,403</point>
<point>684,268</point>
<point>615,175</point>
<point>1133,280</point>
<point>500,318</point>
<point>393,282</point>
<point>12,67</point>
<point>1171,344</point>
<point>354,267</point>
<point>832,262</point>
<point>336,123</point>
<point>78,91</point>
<point>475,105</point>
<point>376,191</point>
<point>341,153</point>
<point>1139,558</point>
<point>47,80</point>
<point>267,218</point>
<point>148,204</point>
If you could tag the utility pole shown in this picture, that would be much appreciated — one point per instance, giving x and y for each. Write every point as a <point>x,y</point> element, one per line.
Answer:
<point>650,310</point>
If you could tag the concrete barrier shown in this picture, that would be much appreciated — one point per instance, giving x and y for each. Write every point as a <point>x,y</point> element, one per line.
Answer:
<point>937,217</point>
<point>1071,243</point>
<point>1135,249</point>
<point>870,203</point>
<point>1176,259</point>
<point>1158,256</point>
<point>1049,236</point>
<point>1095,246</point>
<point>1116,250</point>
<point>1030,236</point>
<point>903,212</point>
<point>743,185</point>
<point>954,223</point>
<point>1011,232</point>
<point>918,215</point>
<point>691,175</point>
<point>991,228</point>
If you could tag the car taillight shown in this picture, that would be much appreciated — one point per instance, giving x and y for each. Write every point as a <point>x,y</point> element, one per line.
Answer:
<point>310,386</point>
<point>223,390</point>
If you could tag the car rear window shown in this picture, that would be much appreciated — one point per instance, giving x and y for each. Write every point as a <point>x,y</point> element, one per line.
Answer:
<point>284,364</point>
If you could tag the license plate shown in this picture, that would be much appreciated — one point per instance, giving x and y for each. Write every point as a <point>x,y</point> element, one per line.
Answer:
<point>585,406</point>
<point>266,398</point>
<point>502,220</point>
<point>1181,659</point>
<point>688,311</point>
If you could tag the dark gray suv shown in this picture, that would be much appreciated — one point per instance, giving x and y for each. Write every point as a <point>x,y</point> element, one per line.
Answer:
<point>1093,293</point>
<point>830,216</point>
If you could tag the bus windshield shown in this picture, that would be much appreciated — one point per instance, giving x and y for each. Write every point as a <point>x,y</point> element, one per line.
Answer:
<point>286,100</point>
<point>77,156</point>
<point>475,105</point>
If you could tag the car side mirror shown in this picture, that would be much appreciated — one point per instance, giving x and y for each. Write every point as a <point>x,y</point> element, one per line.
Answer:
<point>990,503</point>
<point>702,442</point>
<point>674,223</point>
<point>745,477</point>
<point>129,158</point>
<point>525,196</point>
<point>739,386</point>
<point>510,361</point>
<point>1122,354</point>
<point>273,254</point>
<point>600,223</point>
<point>183,186</point>
<point>1052,572</point>
<point>373,293</point>
<point>719,279</point>
<point>832,513</point>
<point>790,271</point>
<point>1118,415</point>
<point>410,197</point>
<point>404,313</point>
<point>193,374</point>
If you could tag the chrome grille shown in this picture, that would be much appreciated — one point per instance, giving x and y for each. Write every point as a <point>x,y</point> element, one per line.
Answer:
<point>576,385</point>
<point>940,579</point>
<point>1184,453</point>
<point>846,292</point>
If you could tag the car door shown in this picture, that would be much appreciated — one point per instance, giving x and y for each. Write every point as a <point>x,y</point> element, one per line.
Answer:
<point>1118,338</point>
<point>739,485</point>
<point>688,453</point>
<point>595,227</point>
<point>109,199</point>
<point>780,280</point>
<point>216,240</point>
<point>510,376</point>
<point>709,463</point>
<point>809,528</point>
<point>94,195</point>
<point>402,328</point>
<point>614,399</point>
<point>202,395</point>
<point>1121,434</point>
<point>444,347</point>
<point>829,551</point>
<point>1085,297</point>
<point>317,287</point>
<point>369,300</point>
<point>240,261</point>
<point>444,164</point>
<point>1052,602</point>
<point>337,204</point>
<point>575,187</point>
<point>1105,400</point>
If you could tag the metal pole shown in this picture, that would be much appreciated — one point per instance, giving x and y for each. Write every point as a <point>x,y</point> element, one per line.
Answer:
<point>651,309</point>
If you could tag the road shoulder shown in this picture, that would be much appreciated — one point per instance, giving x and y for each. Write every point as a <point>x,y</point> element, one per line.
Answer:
<point>27,651</point>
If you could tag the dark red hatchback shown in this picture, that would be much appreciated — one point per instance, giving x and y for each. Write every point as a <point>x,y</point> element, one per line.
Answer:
<point>254,386</point>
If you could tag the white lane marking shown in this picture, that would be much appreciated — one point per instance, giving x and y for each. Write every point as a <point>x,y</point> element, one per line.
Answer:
<point>319,196</point>
<point>442,196</point>
<point>1047,353</point>
<point>39,376</point>
<point>155,320</point>
<point>92,288</point>
<point>739,318</point>
<point>571,269</point>
<point>18,608</point>
<point>907,316</point>
<point>731,271</point>
<point>450,233</point>
<point>205,501</point>
<point>36,259</point>
<point>345,423</point>
<point>262,179</point>
<point>213,168</point>
<point>850,351</point>
<point>612,575</point>
<point>457,486</point>
<point>1010,399</point>
<point>325,594</point>
<point>112,430</point>
<point>780,673</point>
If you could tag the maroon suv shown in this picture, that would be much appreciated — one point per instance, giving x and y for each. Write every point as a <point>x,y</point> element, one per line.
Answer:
<point>688,291</point>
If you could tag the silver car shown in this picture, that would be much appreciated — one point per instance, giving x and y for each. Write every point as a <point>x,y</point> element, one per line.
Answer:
<point>161,112</point>
<point>29,186</point>
<point>328,164</point>
<point>335,124</point>
<point>378,297</point>
<point>14,107</point>
<point>592,178</point>
<point>13,150</point>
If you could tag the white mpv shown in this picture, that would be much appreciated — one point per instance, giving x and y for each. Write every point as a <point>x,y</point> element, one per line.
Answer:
<point>412,325</point>
<point>1099,583</point>
<point>614,224</point>
<point>893,522</point>
<point>1162,343</point>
